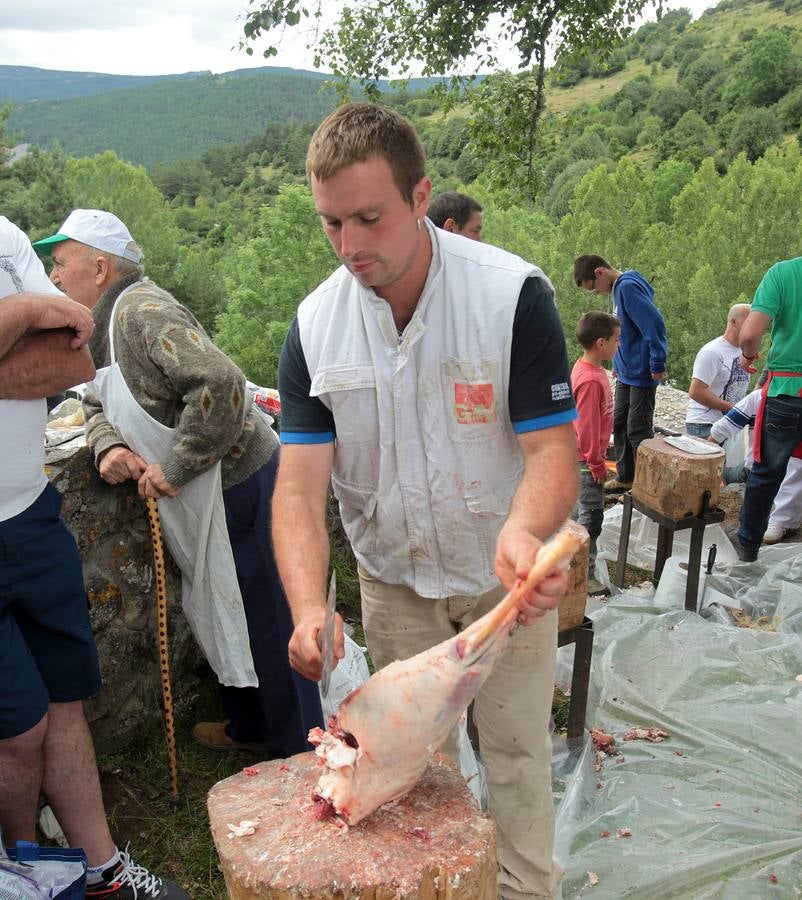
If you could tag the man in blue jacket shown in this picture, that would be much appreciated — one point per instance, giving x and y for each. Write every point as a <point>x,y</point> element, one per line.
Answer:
<point>640,363</point>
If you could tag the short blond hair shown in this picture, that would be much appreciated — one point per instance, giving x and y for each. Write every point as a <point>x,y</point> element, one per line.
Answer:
<point>355,132</point>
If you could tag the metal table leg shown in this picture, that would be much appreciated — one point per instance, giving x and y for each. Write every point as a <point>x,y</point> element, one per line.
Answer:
<point>580,680</point>
<point>665,544</point>
<point>623,540</point>
<point>694,562</point>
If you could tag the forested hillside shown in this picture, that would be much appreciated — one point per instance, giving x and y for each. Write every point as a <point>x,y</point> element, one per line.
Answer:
<point>679,156</point>
<point>156,119</point>
<point>169,120</point>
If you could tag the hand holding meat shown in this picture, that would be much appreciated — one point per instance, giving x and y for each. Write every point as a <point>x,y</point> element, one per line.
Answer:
<point>386,731</point>
<point>516,550</point>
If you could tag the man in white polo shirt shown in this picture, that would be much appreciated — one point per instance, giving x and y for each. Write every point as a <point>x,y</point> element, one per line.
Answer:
<point>48,660</point>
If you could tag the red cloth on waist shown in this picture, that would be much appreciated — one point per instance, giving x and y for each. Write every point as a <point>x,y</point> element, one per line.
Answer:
<point>764,395</point>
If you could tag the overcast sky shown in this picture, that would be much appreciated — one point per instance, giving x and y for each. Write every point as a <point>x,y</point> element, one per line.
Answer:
<point>147,37</point>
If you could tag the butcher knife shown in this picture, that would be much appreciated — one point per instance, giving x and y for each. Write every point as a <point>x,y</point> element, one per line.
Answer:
<point>325,637</point>
<point>711,559</point>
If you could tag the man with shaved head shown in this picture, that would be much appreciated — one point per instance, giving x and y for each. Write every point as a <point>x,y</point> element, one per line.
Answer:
<point>718,381</point>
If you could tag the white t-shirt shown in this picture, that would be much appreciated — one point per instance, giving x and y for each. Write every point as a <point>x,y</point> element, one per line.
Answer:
<point>22,422</point>
<point>718,365</point>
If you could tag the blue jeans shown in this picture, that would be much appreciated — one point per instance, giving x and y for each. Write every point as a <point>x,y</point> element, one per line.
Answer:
<point>698,429</point>
<point>589,511</point>
<point>782,431</point>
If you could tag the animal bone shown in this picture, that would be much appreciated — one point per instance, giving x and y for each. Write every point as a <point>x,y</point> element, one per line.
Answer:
<point>385,732</point>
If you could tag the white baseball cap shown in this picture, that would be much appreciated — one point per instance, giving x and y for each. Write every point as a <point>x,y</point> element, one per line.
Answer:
<point>95,228</point>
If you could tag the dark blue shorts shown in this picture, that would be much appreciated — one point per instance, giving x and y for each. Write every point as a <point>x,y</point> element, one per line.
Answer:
<point>47,650</point>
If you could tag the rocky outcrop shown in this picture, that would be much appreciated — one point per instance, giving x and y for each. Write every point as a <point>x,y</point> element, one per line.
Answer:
<point>111,527</point>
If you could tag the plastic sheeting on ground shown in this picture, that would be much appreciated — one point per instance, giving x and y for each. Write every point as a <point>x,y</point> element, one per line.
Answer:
<point>714,810</point>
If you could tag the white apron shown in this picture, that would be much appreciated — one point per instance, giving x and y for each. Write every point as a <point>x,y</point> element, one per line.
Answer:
<point>194,528</point>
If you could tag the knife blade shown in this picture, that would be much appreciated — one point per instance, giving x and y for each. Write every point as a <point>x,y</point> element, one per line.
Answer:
<point>711,559</point>
<point>325,637</point>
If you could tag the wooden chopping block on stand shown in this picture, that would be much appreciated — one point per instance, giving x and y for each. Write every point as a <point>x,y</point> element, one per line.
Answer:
<point>432,844</point>
<point>673,482</point>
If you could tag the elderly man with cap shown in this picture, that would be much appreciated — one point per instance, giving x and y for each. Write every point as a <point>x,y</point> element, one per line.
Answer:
<point>168,409</point>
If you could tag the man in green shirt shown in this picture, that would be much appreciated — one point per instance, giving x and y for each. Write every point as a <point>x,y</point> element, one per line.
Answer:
<point>778,428</point>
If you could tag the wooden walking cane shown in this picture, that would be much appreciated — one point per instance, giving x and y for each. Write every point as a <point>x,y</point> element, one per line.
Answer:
<point>164,658</point>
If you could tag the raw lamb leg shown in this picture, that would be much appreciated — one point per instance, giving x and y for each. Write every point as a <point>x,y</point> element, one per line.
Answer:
<point>385,732</point>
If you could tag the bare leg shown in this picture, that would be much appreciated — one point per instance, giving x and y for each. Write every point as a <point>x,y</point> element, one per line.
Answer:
<point>20,780</point>
<point>71,783</point>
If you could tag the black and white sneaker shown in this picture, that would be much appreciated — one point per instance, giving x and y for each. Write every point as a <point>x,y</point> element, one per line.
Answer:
<point>129,881</point>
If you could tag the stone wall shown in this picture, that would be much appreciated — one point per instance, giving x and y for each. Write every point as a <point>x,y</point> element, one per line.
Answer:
<point>110,524</point>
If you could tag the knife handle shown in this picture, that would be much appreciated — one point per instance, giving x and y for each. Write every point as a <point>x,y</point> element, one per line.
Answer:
<point>711,558</point>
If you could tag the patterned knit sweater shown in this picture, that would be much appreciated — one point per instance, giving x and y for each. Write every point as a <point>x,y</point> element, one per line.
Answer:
<point>178,376</point>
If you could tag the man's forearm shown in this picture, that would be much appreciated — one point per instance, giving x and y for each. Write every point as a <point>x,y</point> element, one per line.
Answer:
<point>42,364</point>
<point>15,321</point>
<point>702,394</point>
<point>301,546</point>
<point>549,486</point>
<point>752,331</point>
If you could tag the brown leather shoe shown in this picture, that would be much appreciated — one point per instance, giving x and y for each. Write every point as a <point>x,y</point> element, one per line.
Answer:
<point>614,486</point>
<point>213,736</point>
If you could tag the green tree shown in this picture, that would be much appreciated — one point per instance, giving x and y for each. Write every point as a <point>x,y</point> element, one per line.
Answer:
<point>106,182</point>
<point>558,199</point>
<point>754,131</point>
<point>33,193</point>
<point>710,250</point>
<point>267,277</point>
<point>670,104</point>
<point>789,109</point>
<point>702,70</point>
<point>691,140</point>
<point>764,72</point>
<point>665,183</point>
<point>5,138</point>
<point>373,39</point>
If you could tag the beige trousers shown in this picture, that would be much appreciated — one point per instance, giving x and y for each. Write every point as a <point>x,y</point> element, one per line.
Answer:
<point>511,712</point>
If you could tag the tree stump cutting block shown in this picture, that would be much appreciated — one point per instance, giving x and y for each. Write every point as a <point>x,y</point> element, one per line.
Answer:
<point>432,844</point>
<point>674,482</point>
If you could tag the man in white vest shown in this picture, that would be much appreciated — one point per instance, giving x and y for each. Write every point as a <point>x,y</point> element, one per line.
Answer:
<point>427,380</point>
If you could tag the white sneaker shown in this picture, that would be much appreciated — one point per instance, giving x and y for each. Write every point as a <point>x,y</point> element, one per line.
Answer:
<point>774,534</point>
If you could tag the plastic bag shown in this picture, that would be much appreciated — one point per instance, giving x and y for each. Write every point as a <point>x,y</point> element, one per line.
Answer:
<point>31,872</point>
<point>737,448</point>
<point>470,765</point>
<point>351,671</point>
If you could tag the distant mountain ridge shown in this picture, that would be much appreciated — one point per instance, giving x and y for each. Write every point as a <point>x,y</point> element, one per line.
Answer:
<point>21,83</point>
<point>154,119</point>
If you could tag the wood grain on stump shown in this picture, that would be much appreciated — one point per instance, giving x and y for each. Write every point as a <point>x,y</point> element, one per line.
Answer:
<point>674,482</point>
<point>432,844</point>
<point>572,605</point>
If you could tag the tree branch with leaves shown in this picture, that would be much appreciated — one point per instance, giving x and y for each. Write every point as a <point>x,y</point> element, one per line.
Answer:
<point>372,40</point>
